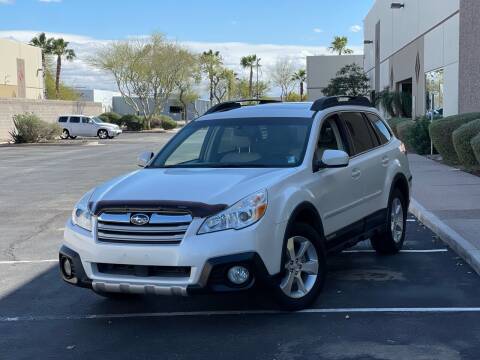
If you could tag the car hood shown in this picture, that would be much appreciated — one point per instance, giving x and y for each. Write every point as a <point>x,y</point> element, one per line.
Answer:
<point>108,125</point>
<point>207,186</point>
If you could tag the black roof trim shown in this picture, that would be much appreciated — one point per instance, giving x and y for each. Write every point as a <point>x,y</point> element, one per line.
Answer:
<point>332,101</point>
<point>236,104</point>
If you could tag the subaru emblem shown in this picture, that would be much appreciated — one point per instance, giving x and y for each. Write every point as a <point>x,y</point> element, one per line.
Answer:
<point>139,219</point>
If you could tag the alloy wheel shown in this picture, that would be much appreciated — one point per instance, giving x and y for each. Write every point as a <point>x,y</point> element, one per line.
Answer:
<point>301,267</point>
<point>396,220</point>
<point>102,134</point>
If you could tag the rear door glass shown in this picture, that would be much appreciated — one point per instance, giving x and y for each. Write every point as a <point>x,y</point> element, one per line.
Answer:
<point>360,132</point>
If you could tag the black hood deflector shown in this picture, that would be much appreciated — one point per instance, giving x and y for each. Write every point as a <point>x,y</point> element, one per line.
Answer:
<point>196,209</point>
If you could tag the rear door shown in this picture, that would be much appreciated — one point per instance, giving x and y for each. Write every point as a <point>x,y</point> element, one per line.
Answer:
<point>366,163</point>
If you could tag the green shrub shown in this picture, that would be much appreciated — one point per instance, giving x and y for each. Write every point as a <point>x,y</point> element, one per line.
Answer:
<point>403,129</point>
<point>417,136</point>
<point>441,134</point>
<point>111,117</point>
<point>132,122</point>
<point>461,141</point>
<point>168,123</point>
<point>394,122</point>
<point>475,143</point>
<point>28,128</point>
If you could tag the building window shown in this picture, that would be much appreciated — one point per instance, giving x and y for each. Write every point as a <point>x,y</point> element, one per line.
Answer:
<point>434,84</point>
<point>175,109</point>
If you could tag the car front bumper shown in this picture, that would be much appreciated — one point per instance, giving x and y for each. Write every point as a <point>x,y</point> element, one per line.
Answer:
<point>114,132</point>
<point>207,258</point>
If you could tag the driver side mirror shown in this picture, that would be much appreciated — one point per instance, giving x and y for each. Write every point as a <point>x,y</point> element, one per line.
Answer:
<point>332,159</point>
<point>144,158</point>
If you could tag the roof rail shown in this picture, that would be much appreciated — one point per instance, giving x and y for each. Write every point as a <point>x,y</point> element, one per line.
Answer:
<point>236,104</point>
<point>331,101</point>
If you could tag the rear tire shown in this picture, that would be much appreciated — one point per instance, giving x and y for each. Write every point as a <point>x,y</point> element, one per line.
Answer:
<point>391,240</point>
<point>73,137</point>
<point>303,268</point>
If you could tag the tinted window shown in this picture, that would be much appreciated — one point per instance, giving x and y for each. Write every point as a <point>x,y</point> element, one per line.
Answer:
<point>382,131</point>
<point>62,119</point>
<point>75,119</point>
<point>360,132</point>
<point>85,120</point>
<point>248,142</point>
<point>330,137</point>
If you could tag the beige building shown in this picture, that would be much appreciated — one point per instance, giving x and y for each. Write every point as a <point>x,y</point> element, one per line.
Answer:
<point>322,68</point>
<point>20,70</point>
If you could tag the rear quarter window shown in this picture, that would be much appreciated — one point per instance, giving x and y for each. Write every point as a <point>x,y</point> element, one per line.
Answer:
<point>75,119</point>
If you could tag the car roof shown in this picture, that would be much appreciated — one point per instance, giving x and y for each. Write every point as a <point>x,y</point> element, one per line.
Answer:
<point>281,109</point>
<point>284,109</point>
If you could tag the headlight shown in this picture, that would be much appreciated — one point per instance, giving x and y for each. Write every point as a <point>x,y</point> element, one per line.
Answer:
<point>238,216</point>
<point>81,216</point>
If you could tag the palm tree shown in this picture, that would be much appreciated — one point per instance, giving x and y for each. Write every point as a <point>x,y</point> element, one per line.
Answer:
<point>60,49</point>
<point>339,44</point>
<point>45,45</point>
<point>301,77</point>
<point>209,63</point>
<point>249,62</point>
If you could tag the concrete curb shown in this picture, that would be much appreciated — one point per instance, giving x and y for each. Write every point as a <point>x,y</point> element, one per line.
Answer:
<point>453,239</point>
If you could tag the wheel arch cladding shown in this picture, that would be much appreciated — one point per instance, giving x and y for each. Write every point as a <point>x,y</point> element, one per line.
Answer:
<point>306,213</point>
<point>400,182</point>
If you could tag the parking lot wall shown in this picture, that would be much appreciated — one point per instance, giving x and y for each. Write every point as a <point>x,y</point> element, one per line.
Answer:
<point>47,110</point>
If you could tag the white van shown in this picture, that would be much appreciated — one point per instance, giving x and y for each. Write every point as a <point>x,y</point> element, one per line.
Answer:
<point>87,126</point>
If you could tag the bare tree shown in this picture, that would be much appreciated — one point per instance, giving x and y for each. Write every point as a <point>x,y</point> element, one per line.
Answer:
<point>281,75</point>
<point>146,71</point>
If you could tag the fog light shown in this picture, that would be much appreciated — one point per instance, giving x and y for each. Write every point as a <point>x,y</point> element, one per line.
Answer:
<point>238,275</point>
<point>67,267</point>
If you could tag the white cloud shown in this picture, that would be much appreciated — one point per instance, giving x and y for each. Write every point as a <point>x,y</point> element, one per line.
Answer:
<point>355,28</point>
<point>317,30</point>
<point>50,1</point>
<point>79,73</point>
<point>6,2</point>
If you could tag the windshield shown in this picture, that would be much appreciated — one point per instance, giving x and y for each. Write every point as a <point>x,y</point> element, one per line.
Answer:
<point>246,142</point>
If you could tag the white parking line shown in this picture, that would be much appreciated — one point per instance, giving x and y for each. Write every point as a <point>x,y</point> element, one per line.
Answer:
<point>402,251</point>
<point>10,262</point>
<point>239,312</point>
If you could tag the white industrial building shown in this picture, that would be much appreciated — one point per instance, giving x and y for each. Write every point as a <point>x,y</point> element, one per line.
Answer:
<point>426,47</point>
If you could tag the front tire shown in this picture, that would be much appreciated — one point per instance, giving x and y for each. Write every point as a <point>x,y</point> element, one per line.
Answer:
<point>102,134</point>
<point>303,268</point>
<point>65,134</point>
<point>391,240</point>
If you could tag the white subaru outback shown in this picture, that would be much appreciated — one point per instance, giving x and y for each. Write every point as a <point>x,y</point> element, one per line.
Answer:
<point>245,195</point>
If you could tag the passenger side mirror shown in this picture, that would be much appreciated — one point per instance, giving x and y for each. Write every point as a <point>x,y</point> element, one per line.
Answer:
<point>144,158</point>
<point>333,159</point>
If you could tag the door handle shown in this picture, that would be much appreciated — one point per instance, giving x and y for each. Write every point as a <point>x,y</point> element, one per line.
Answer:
<point>385,160</point>
<point>356,174</point>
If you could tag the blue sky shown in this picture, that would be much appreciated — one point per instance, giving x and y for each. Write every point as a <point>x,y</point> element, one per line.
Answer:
<point>270,28</point>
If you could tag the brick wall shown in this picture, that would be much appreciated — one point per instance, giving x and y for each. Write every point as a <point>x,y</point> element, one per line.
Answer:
<point>47,110</point>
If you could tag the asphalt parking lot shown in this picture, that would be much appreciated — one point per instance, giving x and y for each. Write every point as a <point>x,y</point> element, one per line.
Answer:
<point>423,303</point>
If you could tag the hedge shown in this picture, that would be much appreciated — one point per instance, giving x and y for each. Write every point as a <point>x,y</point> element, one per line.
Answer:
<point>168,123</point>
<point>132,122</point>
<point>461,141</point>
<point>403,130</point>
<point>111,117</point>
<point>475,143</point>
<point>28,128</point>
<point>417,136</point>
<point>441,134</point>
<point>394,122</point>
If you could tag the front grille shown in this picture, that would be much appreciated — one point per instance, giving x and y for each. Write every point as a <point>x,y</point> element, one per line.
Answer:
<point>144,271</point>
<point>162,228</point>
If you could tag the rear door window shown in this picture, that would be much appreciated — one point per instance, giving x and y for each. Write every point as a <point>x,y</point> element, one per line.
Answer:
<point>360,132</point>
<point>62,119</point>
<point>75,119</point>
